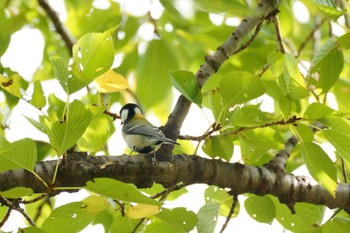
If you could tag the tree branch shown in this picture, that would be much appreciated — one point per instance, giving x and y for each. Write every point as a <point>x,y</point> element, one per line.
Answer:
<point>60,28</point>
<point>212,65</point>
<point>139,170</point>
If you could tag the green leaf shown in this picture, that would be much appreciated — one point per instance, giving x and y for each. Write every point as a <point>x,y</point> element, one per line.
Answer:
<point>240,87</point>
<point>153,85</point>
<point>72,217</point>
<point>321,53</point>
<point>219,146</point>
<point>218,195</point>
<point>19,154</point>
<point>37,125</point>
<point>64,135</point>
<point>119,191</point>
<point>285,105</point>
<point>320,166</point>
<point>340,140</point>
<point>317,111</point>
<point>336,224</point>
<point>307,218</point>
<point>179,219</point>
<point>93,54</point>
<point>11,84</point>
<point>96,134</point>
<point>247,116</point>
<point>344,41</point>
<point>291,66</point>
<point>186,83</point>
<point>328,8</point>
<point>17,192</point>
<point>261,209</point>
<point>38,98</point>
<point>330,68</point>
<point>208,216</point>
<point>31,230</point>
<point>304,133</point>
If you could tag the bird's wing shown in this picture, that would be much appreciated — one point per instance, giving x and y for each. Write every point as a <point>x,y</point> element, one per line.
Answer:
<point>150,131</point>
<point>146,130</point>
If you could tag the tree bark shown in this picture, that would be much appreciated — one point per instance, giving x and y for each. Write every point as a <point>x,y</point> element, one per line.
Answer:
<point>79,168</point>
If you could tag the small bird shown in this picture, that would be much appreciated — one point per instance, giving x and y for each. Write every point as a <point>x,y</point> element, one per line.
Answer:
<point>139,134</point>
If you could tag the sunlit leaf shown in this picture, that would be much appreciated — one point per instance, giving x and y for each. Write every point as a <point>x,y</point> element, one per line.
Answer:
<point>38,98</point>
<point>72,217</point>
<point>186,83</point>
<point>17,192</point>
<point>320,166</point>
<point>329,9</point>
<point>118,190</point>
<point>239,87</point>
<point>11,84</point>
<point>316,111</point>
<point>219,146</point>
<point>110,82</point>
<point>321,53</point>
<point>19,154</point>
<point>142,211</point>
<point>65,133</point>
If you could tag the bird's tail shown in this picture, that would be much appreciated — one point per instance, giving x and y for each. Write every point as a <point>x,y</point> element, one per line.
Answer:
<point>168,141</point>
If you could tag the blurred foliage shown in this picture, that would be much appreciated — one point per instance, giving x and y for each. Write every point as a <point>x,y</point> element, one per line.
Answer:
<point>258,99</point>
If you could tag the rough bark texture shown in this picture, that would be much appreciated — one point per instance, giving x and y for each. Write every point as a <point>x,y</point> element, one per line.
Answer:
<point>139,170</point>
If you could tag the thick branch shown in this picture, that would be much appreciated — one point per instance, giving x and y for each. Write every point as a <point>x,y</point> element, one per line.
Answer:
<point>80,168</point>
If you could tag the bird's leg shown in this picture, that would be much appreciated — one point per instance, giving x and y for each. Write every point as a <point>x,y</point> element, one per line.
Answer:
<point>154,160</point>
<point>127,157</point>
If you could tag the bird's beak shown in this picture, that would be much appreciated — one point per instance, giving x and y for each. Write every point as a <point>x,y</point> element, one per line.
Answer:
<point>121,122</point>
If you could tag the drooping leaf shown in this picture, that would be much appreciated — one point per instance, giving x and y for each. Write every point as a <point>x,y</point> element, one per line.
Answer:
<point>173,220</point>
<point>38,98</point>
<point>340,140</point>
<point>260,209</point>
<point>321,53</point>
<point>320,166</point>
<point>118,190</point>
<point>17,192</point>
<point>19,154</point>
<point>186,83</point>
<point>309,216</point>
<point>208,216</point>
<point>64,134</point>
<point>72,217</point>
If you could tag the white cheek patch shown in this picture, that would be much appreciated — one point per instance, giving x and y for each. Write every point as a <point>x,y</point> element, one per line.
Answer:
<point>124,115</point>
<point>138,111</point>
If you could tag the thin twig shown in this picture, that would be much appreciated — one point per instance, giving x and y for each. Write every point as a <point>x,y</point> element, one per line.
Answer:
<point>6,217</point>
<point>60,28</point>
<point>33,200</point>
<point>251,39</point>
<point>291,120</point>
<point>232,210</point>
<point>275,21</point>
<point>310,36</point>
<point>122,207</point>
<point>14,205</point>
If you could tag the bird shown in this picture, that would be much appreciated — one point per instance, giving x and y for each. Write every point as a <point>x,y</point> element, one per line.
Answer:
<point>139,134</point>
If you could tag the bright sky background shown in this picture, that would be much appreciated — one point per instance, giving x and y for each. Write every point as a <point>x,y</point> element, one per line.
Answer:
<point>25,59</point>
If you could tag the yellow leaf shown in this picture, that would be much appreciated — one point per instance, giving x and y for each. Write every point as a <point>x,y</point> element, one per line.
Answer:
<point>142,211</point>
<point>110,82</point>
<point>95,204</point>
<point>12,84</point>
